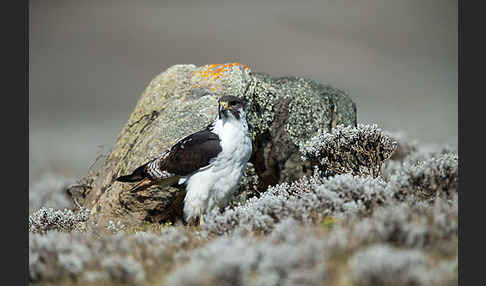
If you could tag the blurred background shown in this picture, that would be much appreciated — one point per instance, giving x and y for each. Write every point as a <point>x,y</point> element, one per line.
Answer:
<point>90,61</point>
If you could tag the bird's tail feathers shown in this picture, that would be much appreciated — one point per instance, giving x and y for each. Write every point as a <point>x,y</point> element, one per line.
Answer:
<point>145,183</point>
<point>137,175</point>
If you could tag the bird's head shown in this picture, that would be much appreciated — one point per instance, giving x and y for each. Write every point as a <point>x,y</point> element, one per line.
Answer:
<point>232,107</point>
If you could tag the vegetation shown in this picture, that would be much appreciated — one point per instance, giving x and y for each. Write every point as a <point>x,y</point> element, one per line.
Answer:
<point>357,150</point>
<point>377,219</point>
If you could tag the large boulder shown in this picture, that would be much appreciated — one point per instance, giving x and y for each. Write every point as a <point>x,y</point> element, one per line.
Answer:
<point>282,113</point>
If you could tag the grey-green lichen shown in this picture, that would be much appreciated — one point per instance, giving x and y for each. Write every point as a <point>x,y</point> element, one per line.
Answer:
<point>261,99</point>
<point>307,114</point>
<point>248,186</point>
<point>312,106</point>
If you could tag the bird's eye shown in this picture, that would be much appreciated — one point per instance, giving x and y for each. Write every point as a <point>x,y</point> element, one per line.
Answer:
<point>232,103</point>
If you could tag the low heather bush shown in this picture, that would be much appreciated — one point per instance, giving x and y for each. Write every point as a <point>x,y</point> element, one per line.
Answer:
<point>56,254</point>
<point>124,269</point>
<point>247,261</point>
<point>412,242</point>
<point>119,258</point>
<point>46,219</point>
<point>419,154</point>
<point>436,175</point>
<point>383,265</point>
<point>406,224</point>
<point>365,207</point>
<point>115,227</point>
<point>369,224</point>
<point>405,145</point>
<point>293,253</point>
<point>358,150</point>
<point>305,200</point>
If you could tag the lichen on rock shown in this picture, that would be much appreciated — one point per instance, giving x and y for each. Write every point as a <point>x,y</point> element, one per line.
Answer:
<point>312,106</point>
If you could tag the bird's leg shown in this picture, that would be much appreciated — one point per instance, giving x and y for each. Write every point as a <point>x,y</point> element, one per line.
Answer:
<point>201,221</point>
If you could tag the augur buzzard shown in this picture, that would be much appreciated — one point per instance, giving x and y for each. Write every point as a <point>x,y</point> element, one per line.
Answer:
<point>210,162</point>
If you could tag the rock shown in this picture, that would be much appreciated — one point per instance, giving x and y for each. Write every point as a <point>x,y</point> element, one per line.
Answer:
<point>282,112</point>
<point>301,109</point>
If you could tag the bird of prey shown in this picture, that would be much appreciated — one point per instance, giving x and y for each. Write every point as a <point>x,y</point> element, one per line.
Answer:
<point>210,162</point>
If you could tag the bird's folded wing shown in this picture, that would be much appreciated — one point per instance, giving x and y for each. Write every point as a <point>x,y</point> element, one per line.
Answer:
<point>191,153</point>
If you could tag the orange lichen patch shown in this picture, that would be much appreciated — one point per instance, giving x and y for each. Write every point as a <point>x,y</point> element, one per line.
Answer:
<point>212,75</point>
<point>215,71</point>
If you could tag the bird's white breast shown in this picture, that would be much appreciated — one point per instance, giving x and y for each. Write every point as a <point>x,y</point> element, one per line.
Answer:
<point>214,186</point>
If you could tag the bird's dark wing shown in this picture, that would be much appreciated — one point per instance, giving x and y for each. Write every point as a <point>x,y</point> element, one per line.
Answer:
<point>191,153</point>
<point>185,157</point>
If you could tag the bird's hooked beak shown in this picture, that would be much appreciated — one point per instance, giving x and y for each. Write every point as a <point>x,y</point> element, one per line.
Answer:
<point>224,105</point>
<point>232,108</point>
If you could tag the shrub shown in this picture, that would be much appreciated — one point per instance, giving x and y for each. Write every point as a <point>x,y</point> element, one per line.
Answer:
<point>305,200</point>
<point>316,230</point>
<point>382,264</point>
<point>55,255</point>
<point>436,175</point>
<point>89,257</point>
<point>405,146</point>
<point>246,261</point>
<point>124,269</point>
<point>358,150</point>
<point>46,219</point>
<point>417,225</point>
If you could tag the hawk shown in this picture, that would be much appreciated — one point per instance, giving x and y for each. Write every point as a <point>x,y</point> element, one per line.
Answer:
<point>209,162</point>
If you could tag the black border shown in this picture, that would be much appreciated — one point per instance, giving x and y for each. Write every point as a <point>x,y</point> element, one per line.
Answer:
<point>15,116</point>
<point>471,111</point>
